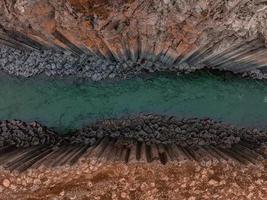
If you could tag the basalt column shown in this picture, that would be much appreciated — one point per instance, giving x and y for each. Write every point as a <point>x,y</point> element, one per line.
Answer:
<point>107,39</point>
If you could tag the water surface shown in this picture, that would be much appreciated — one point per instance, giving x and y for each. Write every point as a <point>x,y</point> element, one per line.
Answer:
<point>68,104</point>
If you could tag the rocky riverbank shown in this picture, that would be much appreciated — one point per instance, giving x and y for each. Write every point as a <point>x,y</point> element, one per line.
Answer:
<point>163,129</point>
<point>19,62</point>
<point>143,139</point>
<point>103,39</point>
<point>23,134</point>
<point>57,63</point>
<point>149,129</point>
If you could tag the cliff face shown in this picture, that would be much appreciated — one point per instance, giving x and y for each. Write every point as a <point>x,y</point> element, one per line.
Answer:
<point>109,38</point>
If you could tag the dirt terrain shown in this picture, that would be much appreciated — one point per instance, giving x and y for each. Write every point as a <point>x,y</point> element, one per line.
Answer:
<point>91,180</point>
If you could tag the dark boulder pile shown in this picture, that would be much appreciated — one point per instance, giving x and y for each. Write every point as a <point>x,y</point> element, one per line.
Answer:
<point>162,129</point>
<point>21,134</point>
<point>28,63</point>
<point>149,129</point>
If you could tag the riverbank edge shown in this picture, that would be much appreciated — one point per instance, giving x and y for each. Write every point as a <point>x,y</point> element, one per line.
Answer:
<point>148,128</point>
<point>58,64</point>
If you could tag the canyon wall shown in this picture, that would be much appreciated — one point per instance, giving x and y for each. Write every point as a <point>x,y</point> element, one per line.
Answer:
<point>117,38</point>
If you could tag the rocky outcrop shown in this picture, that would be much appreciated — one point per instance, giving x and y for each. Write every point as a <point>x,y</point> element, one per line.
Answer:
<point>16,133</point>
<point>106,39</point>
<point>146,138</point>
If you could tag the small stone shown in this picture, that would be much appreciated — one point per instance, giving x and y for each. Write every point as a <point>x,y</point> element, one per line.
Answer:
<point>113,196</point>
<point>90,184</point>
<point>122,180</point>
<point>213,182</point>
<point>123,195</point>
<point>223,182</point>
<point>62,193</point>
<point>259,181</point>
<point>250,195</point>
<point>35,188</point>
<point>192,198</point>
<point>6,183</point>
<point>29,180</point>
<point>208,163</point>
<point>13,187</point>
<point>132,189</point>
<point>143,186</point>
<point>37,181</point>
<point>23,182</point>
<point>192,183</point>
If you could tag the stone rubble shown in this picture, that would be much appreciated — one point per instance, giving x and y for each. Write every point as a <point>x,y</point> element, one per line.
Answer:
<point>147,128</point>
<point>21,134</point>
<point>166,130</point>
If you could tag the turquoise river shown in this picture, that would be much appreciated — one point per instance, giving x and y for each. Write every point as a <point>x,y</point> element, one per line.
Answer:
<point>65,104</point>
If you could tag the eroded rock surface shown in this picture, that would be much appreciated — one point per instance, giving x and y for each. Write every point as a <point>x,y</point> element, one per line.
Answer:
<point>146,138</point>
<point>106,39</point>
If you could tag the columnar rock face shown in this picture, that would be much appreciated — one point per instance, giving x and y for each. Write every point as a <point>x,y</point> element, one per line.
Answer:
<point>106,39</point>
<point>146,138</point>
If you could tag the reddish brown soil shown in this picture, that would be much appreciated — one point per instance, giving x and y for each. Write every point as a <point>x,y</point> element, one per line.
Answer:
<point>90,180</point>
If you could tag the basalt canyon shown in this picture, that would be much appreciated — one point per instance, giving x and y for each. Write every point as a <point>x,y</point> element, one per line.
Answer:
<point>133,99</point>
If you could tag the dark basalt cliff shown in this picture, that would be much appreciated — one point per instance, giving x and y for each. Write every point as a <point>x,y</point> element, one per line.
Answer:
<point>144,138</point>
<point>106,39</point>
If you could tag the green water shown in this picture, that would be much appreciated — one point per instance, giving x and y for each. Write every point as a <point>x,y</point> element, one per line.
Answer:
<point>68,104</point>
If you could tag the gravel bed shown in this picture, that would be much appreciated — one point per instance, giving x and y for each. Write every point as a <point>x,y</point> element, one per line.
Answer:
<point>92,180</point>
